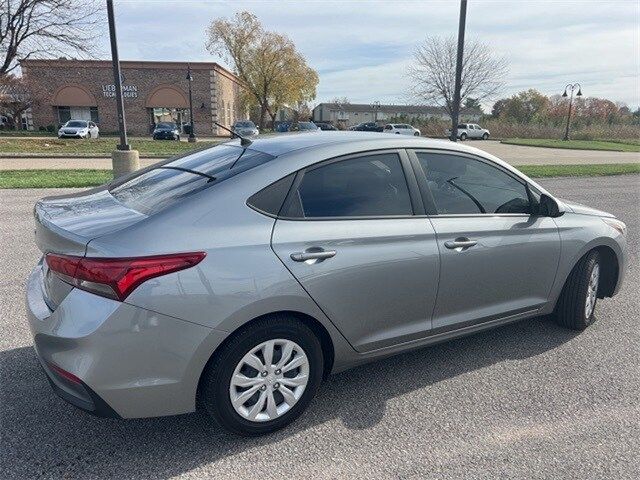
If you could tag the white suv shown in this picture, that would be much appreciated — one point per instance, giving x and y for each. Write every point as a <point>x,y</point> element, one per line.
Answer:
<point>401,129</point>
<point>470,130</point>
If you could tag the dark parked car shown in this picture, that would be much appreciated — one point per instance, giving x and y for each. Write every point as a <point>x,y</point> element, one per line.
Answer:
<point>166,131</point>
<point>368,127</point>
<point>326,126</point>
<point>303,127</point>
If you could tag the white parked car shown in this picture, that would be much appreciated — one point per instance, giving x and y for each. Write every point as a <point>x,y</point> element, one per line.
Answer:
<point>401,129</point>
<point>470,130</point>
<point>79,129</point>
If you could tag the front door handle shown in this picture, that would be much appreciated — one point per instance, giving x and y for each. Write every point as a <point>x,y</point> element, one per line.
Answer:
<point>312,255</point>
<point>460,244</point>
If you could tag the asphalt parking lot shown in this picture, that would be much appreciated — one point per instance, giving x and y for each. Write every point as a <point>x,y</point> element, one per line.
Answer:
<point>529,400</point>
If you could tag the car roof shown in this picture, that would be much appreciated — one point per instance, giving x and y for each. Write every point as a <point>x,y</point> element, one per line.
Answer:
<point>281,144</point>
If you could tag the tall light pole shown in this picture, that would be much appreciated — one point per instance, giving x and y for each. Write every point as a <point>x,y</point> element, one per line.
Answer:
<point>124,160</point>
<point>192,133</point>
<point>570,87</point>
<point>375,106</point>
<point>117,79</point>
<point>456,92</point>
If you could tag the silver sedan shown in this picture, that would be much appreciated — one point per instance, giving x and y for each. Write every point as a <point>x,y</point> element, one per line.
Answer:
<point>234,279</point>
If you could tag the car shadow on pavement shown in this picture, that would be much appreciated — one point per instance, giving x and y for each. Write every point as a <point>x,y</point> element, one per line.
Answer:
<point>44,436</point>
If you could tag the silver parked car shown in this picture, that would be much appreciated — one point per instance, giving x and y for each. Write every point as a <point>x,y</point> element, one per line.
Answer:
<point>470,130</point>
<point>235,278</point>
<point>79,129</point>
<point>245,128</point>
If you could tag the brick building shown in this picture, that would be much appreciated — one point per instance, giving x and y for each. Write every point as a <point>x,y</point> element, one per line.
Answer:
<point>153,92</point>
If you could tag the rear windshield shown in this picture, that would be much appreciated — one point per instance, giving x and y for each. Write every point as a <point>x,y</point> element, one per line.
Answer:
<point>245,124</point>
<point>165,184</point>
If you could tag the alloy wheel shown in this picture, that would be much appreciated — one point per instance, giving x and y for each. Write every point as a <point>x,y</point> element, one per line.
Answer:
<point>592,291</point>
<point>269,380</point>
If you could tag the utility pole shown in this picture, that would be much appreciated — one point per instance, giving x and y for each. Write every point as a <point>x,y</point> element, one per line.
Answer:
<point>456,92</point>
<point>124,159</point>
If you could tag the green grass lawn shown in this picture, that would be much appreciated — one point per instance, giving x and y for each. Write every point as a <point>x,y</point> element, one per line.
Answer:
<point>94,147</point>
<point>90,178</point>
<point>628,145</point>
<point>578,170</point>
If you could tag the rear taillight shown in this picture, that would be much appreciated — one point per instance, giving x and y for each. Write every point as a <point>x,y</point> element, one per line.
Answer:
<point>117,277</point>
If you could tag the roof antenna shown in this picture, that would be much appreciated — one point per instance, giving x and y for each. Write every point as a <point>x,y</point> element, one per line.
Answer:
<point>244,141</point>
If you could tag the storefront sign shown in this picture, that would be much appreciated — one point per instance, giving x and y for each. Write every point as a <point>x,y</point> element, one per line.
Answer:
<point>128,91</point>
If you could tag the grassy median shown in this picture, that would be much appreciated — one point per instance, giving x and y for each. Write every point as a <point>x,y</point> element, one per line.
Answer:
<point>608,145</point>
<point>101,147</point>
<point>90,178</point>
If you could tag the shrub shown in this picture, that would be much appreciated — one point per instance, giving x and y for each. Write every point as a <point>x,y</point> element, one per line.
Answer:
<point>51,128</point>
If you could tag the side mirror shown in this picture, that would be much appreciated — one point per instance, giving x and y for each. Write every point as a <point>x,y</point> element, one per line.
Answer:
<point>549,207</point>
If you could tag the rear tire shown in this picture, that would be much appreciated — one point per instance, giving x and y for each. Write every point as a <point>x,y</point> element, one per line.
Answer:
<point>217,389</point>
<point>463,137</point>
<point>577,303</point>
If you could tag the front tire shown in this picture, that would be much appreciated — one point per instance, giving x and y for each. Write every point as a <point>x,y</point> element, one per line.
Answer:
<point>485,136</point>
<point>263,378</point>
<point>577,303</point>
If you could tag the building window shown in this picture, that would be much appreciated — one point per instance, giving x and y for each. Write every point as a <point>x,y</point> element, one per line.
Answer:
<point>64,114</point>
<point>77,113</point>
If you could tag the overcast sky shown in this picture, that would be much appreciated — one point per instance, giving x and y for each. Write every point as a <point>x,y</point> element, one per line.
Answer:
<point>361,48</point>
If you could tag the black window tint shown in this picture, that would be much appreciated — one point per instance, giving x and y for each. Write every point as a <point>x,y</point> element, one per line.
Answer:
<point>366,186</point>
<point>157,189</point>
<point>462,185</point>
<point>270,199</point>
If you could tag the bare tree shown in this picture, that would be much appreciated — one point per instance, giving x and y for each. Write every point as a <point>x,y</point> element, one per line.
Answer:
<point>434,71</point>
<point>16,97</point>
<point>37,28</point>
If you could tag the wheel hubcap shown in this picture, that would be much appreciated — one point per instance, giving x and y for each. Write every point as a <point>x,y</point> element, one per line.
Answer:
<point>592,291</point>
<point>269,380</point>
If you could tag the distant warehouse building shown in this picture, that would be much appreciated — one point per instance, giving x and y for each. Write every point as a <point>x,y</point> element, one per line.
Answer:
<point>354,113</point>
<point>153,92</point>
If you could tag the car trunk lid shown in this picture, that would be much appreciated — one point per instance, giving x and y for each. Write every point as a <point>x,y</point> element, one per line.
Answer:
<point>66,225</point>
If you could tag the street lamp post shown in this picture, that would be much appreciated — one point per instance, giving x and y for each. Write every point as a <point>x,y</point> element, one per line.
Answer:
<point>570,87</point>
<point>456,90</point>
<point>375,106</point>
<point>124,159</point>
<point>192,133</point>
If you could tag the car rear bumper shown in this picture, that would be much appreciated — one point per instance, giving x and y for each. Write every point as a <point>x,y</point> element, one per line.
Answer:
<point>117,360</point>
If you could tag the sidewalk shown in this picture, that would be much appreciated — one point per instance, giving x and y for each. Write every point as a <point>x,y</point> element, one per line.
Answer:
<point>513,154</point>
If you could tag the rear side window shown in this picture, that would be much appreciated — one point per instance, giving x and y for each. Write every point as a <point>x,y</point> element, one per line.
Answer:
<point>269,200</point>
<point>367,186</point>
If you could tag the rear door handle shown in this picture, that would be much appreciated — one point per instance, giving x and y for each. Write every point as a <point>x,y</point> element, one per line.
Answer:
<point>313,255</point>
<point>460,244</point>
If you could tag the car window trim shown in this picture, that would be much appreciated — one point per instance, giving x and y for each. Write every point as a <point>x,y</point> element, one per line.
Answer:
<point>414,195</point>
<point>428,196</point>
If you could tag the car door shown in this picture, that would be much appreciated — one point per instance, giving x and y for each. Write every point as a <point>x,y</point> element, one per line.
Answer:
<point>348,234</point>
<point>497,260</point>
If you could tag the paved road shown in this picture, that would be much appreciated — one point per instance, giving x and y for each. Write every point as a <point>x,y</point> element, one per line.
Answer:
<point>514,154</point>
<point>529,400</point>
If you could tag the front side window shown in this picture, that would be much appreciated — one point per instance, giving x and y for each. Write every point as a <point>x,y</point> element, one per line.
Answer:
<point>367,186</point>
<point>463,185</point>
